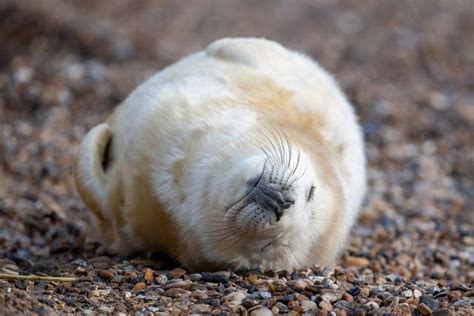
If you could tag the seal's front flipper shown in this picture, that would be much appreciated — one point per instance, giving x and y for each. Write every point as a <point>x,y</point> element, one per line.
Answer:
<point>89,169</point>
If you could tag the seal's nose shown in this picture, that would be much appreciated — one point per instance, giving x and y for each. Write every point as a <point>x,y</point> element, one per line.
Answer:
<point>273,199</point>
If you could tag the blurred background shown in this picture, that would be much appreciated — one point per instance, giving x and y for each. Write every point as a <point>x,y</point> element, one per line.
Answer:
<point>407,66</point>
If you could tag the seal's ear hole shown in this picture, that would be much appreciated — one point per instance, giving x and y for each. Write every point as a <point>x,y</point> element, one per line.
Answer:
<point>311,193</point>
<point>106,155</point>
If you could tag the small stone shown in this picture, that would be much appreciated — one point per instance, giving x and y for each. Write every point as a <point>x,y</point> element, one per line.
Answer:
<point>195,276</point>
<point>105,309</point>
<point>106,274</point>
<point>331,295</point>
<point>365,291</point>
<point>253,279</point>
<point>407,293</point>
<point>282,307</point>
<point>176,273</point>
<point>237,308</point>
<point>148,275</point>
<point>161,279</point>
<point>327,272</point>
<point>140,286</point>
<point>372,305</point>
<point>181,283</point>
<point>359,262</point>
<point>265,294</point>
<point>235,297</point>
<point>216,277</point>
<point>455,295</point>
<point>342,305</point>
<point>417,293</point>
<point>300,285</point>
<point>463,303</point>
<point>308,305</point>
<point>424,309</point>
<point>101,262</point>
<point>200,308</point>
<point>325,306</point>
<point>279,286</point>
<point>327,283</point>
<point>431,303</point>
<point>347,297</point>
<point>261,311</point>
<point>210,301</point>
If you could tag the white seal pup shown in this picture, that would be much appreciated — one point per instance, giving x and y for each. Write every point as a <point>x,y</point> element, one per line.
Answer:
<point>244,155</point>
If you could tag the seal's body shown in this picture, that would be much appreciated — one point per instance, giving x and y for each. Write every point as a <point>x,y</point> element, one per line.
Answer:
<point>244,155</point>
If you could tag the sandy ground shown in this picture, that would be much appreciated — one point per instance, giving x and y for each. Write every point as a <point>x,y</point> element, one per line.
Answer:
<point>406,65</point>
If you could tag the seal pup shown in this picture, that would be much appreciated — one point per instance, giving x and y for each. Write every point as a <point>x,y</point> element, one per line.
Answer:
<point>245,155</point>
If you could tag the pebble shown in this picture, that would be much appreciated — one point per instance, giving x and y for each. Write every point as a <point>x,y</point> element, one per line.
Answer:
<point>325,306</point>
<point>327,283</point>
<point>101,262</point>
<point>176,273</point>
<point>106,274</point>
<point>424,309</point>
<point>282,308</point>
<point>161,279</point>
<point>148,275</point>
<point>216,277</point>
<point>195,276</point>
<point>372,305</point>
<point>253,279</point>
<point>331,295</point>
<point>300,285</point>
<point>106,309</point>
<point>139,286</point>
<point>359,262</point>
<point>431,303</point>
<point>463,303</point>
<point>407,293</point>
<point>236,297</point>
<point>307,305</point>
<point>327,272</point>
<point>261,311</point>
<point>347,297</point>
<point>200,308</point>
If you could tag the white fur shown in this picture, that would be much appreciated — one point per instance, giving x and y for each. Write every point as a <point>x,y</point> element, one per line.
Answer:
<point>165,125</point>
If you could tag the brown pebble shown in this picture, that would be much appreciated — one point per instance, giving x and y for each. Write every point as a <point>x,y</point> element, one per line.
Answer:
<point>365,291</point>
<point>325,306</point>
<point>347,297</point>
<point>300,285</point>
<point>102,262</point>
<point>176,273</point>
<point>359,262</point>
<point>139,286</point>
<point>148,275</point>
<point>253,279</point>
<point>106,274</point>
<point>424,309</point>
<point>455,295</point>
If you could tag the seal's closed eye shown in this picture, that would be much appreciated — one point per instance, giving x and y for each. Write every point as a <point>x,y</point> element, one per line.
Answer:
<point>311,194</point>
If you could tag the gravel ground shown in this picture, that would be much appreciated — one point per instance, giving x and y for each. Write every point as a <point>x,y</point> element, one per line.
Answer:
<point>404,64</point>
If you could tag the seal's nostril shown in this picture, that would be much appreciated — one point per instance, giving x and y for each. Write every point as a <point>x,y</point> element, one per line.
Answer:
<point>271,199</point>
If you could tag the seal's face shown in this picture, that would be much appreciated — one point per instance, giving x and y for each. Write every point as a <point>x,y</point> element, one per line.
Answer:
<point>264,211</point>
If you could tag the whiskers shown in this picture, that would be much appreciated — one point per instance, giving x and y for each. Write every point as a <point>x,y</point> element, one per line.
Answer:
<point>282,166</point>
<point>283,163</point>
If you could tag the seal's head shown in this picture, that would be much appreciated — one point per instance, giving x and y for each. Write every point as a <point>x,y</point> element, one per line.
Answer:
<point>266,203</point>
